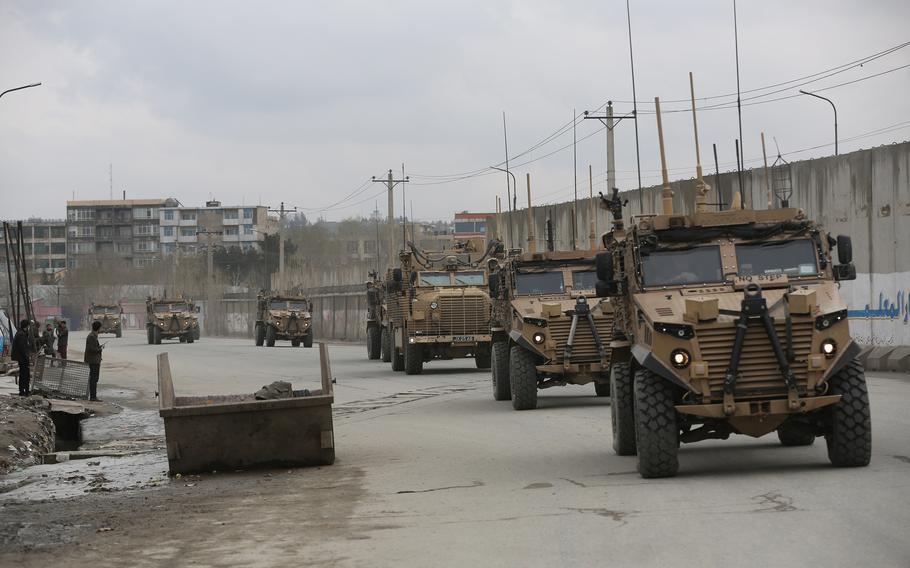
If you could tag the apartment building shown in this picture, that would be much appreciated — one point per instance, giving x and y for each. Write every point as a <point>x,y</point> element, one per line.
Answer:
<point>44,244</point>
<point>190,229</point>
<point>107,231</point>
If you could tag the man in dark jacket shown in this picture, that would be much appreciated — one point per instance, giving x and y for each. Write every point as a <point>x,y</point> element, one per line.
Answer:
<point>48,340</point>
<point>63,338</point>
<point>22,348</point>
<point>93,350</point>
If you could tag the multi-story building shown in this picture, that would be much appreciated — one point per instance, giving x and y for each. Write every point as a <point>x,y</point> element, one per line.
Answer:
<point>190,229</point>
<point>107,231</point>
<point>468,225</point>
<point>44,244</point>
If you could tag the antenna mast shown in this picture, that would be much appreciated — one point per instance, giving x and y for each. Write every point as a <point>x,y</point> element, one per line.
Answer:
<point>667,193</point>
<point>701,188</point>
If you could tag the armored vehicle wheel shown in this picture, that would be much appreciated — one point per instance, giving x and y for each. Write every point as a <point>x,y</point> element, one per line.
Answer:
<point>308,339</point>
<point>189,338</point>
<point>119,332</point>
<point>295,343</point>
<point>260,335</point>
<point>374,343</point>
<point>656,428</point>
<point>849,437</point>
<point>270,336</point>
<point>602,389</point>
<point>502,389</point>
<point>182,339</point>
<point>482,358</point>
<point>397,356</point>
<point>148,333</point>
<point>522,379</point>
<point>156,335</point>
<point>622,409</point>
<point>385,353</point>
<point>792,434</point>
<point>413,359</point>
<point>197,333</point>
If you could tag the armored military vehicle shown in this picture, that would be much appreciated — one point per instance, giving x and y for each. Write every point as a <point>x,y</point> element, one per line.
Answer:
<point>110,316</point>
<point>285,317</point>
<point>733,323</point>
<point>549,328</point>
<point>171,319</point>
<point>375,317</point>
<point>437,307</point>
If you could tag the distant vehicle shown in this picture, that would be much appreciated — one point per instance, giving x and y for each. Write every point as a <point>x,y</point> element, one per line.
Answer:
<point>110,316</point>
<point>171,319</point>
<point>285,317</point>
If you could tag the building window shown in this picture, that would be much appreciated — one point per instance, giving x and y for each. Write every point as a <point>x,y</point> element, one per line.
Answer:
<point>86,231</point>
<point>42,264</point>
<point>28,249</point>
<point>248,213</point>
<point>231,214</point>
<point>58,248</point>
<point>187,215</point>
<point>187,232</point>
<point>40,232</point>
<point>143,230</point>
<point>85,214</point>
<point>145,246</point>
<point>58,263</point>
<point>167,248</point>
<point>124,248</point>
<point>232,231</point>
<point>369,247</point>
<point>58,232</point>
<point>169,215</point>
<point>41,248</point>
<point>353,247</point>
<point>167,231</point>
<point>247,229</point>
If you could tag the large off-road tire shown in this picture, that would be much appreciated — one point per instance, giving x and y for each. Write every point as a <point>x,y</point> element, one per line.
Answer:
<point>270,336</point>
<point>522,378</point>
<point>622,409</point>
<point>156,335</point>
<point>119,332</point>
<point>260,335</point>
<point>502,388</point>
<point>791,434</point>
<point>386,349</point>
<point>197,333</point>
<point>295,343</point>
<point>397,356</point>
<point>148,334</point>
<point>189,337</point>
<point>308,338</point>
<point>656,426</point>
<point>413,359</point>
<point>483,358</point>
<point>374,343</point>
<point>849,437</point>
<point>182,339</point>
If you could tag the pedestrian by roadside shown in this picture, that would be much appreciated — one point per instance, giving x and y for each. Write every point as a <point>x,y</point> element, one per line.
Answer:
<point>22,348</point>
<point>93,350</point>
<point>63,338</point>
<point>48,340</point>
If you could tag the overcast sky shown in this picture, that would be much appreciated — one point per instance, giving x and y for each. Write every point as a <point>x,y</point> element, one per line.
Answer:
<point>259,102</point>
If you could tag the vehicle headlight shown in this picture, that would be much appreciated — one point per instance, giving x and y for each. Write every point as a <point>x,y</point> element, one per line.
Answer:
<point>434,305</point>
<point>829,347</point>
<point>539,338</point>
<point>412,340</point>
<point>680,358</point>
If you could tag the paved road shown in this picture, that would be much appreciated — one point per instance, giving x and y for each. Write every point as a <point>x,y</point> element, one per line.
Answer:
<point>432,471</point>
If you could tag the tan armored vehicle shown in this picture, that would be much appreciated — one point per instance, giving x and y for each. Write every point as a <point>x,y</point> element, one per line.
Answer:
<point>549,328</point>
<point>110,316</point>
<point>171,319</point>
<point>283,317</point>
<point>733,324</point>
<point>437,307</point>
<point>376,318</point>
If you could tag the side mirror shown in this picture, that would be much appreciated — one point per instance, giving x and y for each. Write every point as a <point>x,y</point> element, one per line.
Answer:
<point>604,264</point>
<point>198,309</point>
<point>493,283</point>
<point>844,272</point>
<point>413,278</point>
<point>844,249</point>
<point>606,288</point>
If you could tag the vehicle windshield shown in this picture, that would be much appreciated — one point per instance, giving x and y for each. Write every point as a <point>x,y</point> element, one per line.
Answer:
<point>105,310</point>
<point>433,279</point>
<point>293,305</point>
<point>584,280</point>
<point>792,258</point>
<point>163,308</point>
<point>474,278</point>
<point>533,283</point>
<point>699,265</point>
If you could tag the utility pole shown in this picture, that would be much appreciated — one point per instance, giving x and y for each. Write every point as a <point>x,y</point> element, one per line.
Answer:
<point>282,211</point>
<point>390,183</point>
<point>575,180</point>
<point>210,279</point>
<point>610,122</point>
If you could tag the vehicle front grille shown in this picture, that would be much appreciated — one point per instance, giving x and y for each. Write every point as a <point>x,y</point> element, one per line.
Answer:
<point>759,375</point>
<point>584,349</point>
<point>458,315</point>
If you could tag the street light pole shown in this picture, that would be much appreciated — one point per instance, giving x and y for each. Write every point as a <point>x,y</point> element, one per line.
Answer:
<point>509,199</point>
<point>835,114</point>
<point>20,88</point>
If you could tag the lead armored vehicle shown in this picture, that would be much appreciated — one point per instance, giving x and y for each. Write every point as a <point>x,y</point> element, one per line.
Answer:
<point>110,316</point>
<point>285,317</point>
<point>376,317</point>
<point>733,324</point>
<point>549,328</point>
<point>175,318</point>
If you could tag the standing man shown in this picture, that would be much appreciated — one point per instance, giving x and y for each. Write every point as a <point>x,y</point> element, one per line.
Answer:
<point>48,339</point>
<point>63,338</point>
<point>22,347</point>
<point>93,350</point>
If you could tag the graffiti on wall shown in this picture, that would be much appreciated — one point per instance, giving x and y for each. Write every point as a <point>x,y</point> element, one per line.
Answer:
<point>885,320</point>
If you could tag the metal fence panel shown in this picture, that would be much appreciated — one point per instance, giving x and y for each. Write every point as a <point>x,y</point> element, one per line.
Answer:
<point>61,377</point>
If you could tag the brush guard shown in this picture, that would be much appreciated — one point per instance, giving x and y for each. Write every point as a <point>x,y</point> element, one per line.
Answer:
<point>582,310</point>
<point>755,307</point>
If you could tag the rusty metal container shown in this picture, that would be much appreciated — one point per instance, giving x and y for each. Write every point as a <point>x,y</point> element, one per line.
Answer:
<point>226,433</point>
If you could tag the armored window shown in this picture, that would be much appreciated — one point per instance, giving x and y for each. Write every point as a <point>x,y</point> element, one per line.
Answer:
<point>434,279</point>
<point>584,280</point>
<point>791,258</point>
<point>473,278</point>
<point>699,265</point>
<point>533,283</point>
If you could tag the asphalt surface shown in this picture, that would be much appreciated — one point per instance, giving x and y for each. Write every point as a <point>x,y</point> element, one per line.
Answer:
<point>431,470</point>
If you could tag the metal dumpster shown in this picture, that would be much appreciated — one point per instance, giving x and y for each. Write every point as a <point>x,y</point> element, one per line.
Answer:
<point>226,433</point>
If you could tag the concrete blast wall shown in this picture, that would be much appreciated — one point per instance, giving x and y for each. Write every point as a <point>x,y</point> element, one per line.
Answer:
<point>864,194</point>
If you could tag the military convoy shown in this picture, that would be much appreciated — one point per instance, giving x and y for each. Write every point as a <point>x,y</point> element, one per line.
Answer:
<point>549,328</point>
<point>110,316</point>
<point>434,306</point>
<point>285,317</point>
<point>375,318</point>
<point>171,319</point>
